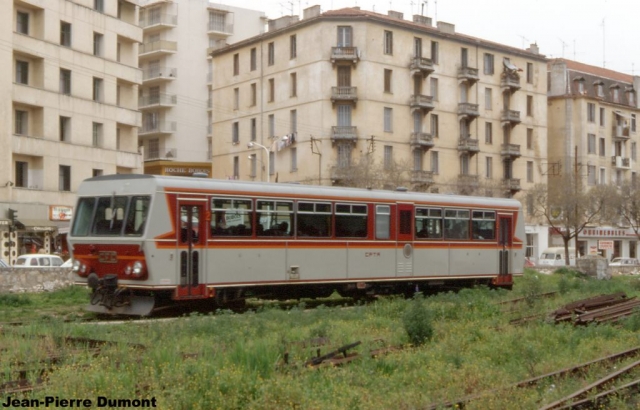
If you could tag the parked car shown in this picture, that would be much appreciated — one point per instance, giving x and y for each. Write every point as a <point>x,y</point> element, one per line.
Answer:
<point>555,257</point>
<point>633,262</point>
<point>68,263</point>
<point>3,264</point>
<point>38,260</point>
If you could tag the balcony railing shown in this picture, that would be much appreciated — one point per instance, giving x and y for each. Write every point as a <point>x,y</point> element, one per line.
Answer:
<point>509,81</point>
<point>218,28</point>
<point>422,140</point>
<point>166,154</point>
<point>341,94</point>
<point>621,162</point>
<point>421,102</point>
<point>469,145</point>
<point>468,110</point>
<point>468,74</point>
<point>342,133</point>
<point>344,54</point>
<point>160,46</point>
<point>161,127</point>
<point>421,177</point>
<point>510,150</point>
<point>510,116</point>
<point>511,184</point>
<point>162,73</point>
<point>150,20</point>
<point>620,131</point>
<point>467,180</point>
<point>421,65</point>
<point>157,100</point>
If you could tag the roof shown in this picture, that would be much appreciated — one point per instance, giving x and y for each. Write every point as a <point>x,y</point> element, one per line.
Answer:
<point>594,70</point>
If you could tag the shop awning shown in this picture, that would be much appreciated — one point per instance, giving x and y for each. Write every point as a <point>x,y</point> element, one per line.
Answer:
<point>39,225</point>
<point>619,114</point>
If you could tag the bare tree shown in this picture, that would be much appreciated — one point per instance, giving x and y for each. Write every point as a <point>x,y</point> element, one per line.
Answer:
<point>368,173</point>
<point>629,206</point>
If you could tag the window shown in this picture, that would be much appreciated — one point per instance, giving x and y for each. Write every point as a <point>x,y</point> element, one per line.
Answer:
<point>97,89</point>
<point>22,72</point>
<point>64,178</point>
<point>254,94</point>
<point>433,85</point>
<point>98,5</point>
<point>253,60</point>
<point>383,221</point>
<point>274,218</point>
<point>254,129</point>
<point>254,162</point>
<point>314,219</point>
<point>65,34</point>
<point>388,125</point>
<point>97,44</point>
<point>417,160</point>
<point>488,64</point>
<point>293,47</point>
<point>591,143</point>
<point>631,97</point>
<point>236,167</point>
<point>434,52</point>
<point>428,223</point>
<point>633,123</point>
<point>154,148</point>
<point>293,77</point>
<point>529,138</point>
<point>530,73</point>
<point>530,105</point>
<point>634,156</point>
<point>231,217</point>
<point>97,172</point>
<point>602,116</point>
<point>345,36</point>
<point>435,167</point>
<point>21,122</point>
<point>591,175</point>
<point>529,171</point>
<point>591,112</point>
<point>603,176</point>
<point>388,42</point>
<point>272,90</point>
<point>464,57</point>
<point>464,164</point>
<point>488,133</point>
<point>615,94</point>
<point>272,125</point>
<point>65,81</point>
<point>293,120</point>
<point>483,225</point>
<point>417,47</point>
<point>489,167</point>
<point>65,129</point>
<point>294,159</point>
<point>217,21</point>
<point>22,22</point>
<point>456,224</point>
<point>434,125</point>
<point>22,174</point>
<point>236,64</point>
<point>235,132</point>
<point>387,80</point>
<point>271,54</point>
<point>417,121</point>
<point>602,147</point>
<point>236,98</point>
<point>388,157</point>
<point>344,155</point>
<point>599,89</point>
<point>488,100</point>
<point>97,135</point>
<point>351,221</point>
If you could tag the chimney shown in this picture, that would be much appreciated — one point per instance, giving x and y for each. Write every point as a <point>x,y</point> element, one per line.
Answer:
<point>447,28</point>
<point>310,12</point>
<point>282,22</point>
<point>423,20</point>
<point>533,48</point>
<point>395,15</point>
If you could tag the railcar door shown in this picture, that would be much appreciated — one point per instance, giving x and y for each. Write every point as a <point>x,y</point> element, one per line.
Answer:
<point>191,238</point>
<point>505,240</point>
<point>404,253</point>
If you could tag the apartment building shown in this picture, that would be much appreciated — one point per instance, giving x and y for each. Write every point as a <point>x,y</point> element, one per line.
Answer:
<point>592,126</point>
<point>312,97</point>
<point>70,85</point>
<point>174,98</point>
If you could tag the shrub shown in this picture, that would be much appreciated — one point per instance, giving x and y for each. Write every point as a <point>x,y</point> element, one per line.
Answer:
<point>13,300</point>
<point>417,321</point>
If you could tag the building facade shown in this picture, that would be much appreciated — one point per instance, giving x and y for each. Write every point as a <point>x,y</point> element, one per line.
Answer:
<point>317,100</point>
<point>593,132</point>
<point>174,98</point>
<point>73,80</point>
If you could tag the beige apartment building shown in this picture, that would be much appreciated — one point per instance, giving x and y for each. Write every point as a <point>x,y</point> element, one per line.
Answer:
<point>70,107</point>
<point>174,98</point>
<point>312,97</point>
<point>593,129</point>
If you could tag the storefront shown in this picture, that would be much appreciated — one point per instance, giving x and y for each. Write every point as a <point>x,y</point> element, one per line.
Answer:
<point>606,241</point>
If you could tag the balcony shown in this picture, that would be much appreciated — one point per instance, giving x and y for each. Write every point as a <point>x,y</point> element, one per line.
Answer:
<point>157,75</point>
<point>157,101</point>
<point>510,151</point>
<point>344,54</point>
<point>510,117</point>
<point>165,154</point>
<point>511,184</point>
<point>158,129</point>
<point>421,65</point>
<point>219,29</point>
<point>468,110</point>
<point>468,145</point>
<point>468,181</point>
<point>509,81</point>
<point>422,103</point>
<point>421,140</point>
<point>422,177</point>
<point>620,132</point>
<point>344,133</point>
<point>621,162</point>
<point>157,48</point>
<point>468,74</point>
<point>153,23</point>
<point>344,94</point>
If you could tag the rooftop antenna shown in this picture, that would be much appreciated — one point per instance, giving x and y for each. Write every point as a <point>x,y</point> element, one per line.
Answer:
<point>603,45</point>
<point>564,45</point>
<point>424,3</point>
<point>524,40</point>
<point>574,49</point>
<point>436,11</point>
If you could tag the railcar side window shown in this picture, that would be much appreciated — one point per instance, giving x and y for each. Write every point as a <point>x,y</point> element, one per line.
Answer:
<point>483,225</point>
<point>383,221</point>
<point>314,219</point>
<point>351,221</point>
<point>137,215</point>
<point>275,218</point>
<point>82,217</point>
<point>429,223</point>
<point>109,215</point>
<point>232,217</point>
<point>456,224</point>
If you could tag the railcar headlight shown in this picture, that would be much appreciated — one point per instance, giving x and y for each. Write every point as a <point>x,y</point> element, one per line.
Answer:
<point>137,268</point>
<point>127,270</point>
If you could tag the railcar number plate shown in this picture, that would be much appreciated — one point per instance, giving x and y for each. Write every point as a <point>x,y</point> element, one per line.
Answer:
<point>107,257</point>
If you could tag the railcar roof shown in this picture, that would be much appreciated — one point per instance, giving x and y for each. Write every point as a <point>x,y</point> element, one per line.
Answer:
<point>145,183</point>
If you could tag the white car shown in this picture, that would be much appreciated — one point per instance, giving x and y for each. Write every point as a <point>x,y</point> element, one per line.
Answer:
<point>38,260</point>
<point>3,264</point>
<point>68,263</point>
<point>633,262</point>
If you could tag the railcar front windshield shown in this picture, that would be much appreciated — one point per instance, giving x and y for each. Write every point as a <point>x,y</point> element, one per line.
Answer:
<point>111,216</point>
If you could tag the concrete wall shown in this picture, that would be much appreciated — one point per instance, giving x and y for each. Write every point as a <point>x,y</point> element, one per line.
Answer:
<point>19,280</point>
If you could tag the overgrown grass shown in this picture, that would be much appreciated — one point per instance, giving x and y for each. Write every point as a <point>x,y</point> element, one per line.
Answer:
<point>464,345</point>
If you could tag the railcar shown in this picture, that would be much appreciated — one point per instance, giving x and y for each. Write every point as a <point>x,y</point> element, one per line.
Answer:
<point>143,241</point>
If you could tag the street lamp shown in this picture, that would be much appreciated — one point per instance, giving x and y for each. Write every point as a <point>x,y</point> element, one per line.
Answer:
<point>251,145</point>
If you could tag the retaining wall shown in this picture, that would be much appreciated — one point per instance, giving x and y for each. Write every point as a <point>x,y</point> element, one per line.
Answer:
<point>21,280</point>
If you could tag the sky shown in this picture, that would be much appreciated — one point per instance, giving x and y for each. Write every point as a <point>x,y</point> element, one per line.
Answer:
<point>603,33</point>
